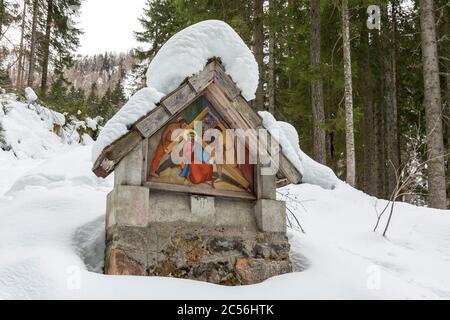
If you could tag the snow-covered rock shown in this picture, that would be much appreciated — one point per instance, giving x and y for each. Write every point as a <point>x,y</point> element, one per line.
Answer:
<point>93,124</point>
<point>30,95</point>
<point>188,51</point>
<point>141,103</point>
<point>28,130</point>
<point>312,171</point>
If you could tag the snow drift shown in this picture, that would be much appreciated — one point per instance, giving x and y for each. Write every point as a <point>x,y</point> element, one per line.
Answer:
<point>313,172</point>
<point>28,129</point>
<point>52,244</point>
<point>52,212</point>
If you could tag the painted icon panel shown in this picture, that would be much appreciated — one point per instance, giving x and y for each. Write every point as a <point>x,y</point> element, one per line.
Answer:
<point>192,151</point>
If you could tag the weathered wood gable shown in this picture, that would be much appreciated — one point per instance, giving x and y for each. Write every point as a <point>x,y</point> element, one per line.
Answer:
<point>220,90</point>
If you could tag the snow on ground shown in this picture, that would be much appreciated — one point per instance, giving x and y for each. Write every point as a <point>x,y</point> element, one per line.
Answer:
<point>52,242</point>
<point>27,129</point>
<point>52,233</point>
<point>52,211</point>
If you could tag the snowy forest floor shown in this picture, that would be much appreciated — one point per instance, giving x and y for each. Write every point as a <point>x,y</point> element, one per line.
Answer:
<point>52,242</point>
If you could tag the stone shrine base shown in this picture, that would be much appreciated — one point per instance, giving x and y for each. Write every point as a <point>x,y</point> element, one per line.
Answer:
<point>192,251</point>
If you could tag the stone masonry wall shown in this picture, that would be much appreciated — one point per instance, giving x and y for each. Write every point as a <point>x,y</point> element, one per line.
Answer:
<point>191,251</point>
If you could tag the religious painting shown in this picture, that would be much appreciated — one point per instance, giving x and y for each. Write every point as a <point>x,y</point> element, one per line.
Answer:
<point>183,153</point>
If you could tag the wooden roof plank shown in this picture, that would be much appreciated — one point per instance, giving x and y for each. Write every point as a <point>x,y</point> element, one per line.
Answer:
<point>243,108</point>
<point>200,81</point>
<point>153,122</point>
<point>227,84</point>
<point>179,99</point>
<point>114,153</point>
<point>289,170</point>
<point>237,119</point>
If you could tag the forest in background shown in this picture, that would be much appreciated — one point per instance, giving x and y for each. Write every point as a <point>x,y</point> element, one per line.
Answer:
<point>43,56</point>
<point>356,95</point>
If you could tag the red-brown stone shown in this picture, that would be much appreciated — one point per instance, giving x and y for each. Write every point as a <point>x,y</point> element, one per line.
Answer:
<point>252,271</point>
<point>121,264</point>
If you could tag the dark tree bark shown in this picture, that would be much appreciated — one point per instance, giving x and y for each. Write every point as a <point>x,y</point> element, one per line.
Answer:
<point>33,43</point>
<point>20,69</point>
<point>258,50</point>
<point>349,127</point>
<point>366,86</point>
<point>271,64</point>
<point>444,53</point>
<point>433,107</point>
<point>331,160</point>
<point>390,98</point>
<point>46,56</point>
<point>2,14</point>
<point>380,143</point>
<point>318,113</point>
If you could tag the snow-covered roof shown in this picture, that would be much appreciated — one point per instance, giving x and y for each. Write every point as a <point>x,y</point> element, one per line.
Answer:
<point>141,103</point>
<point>184,55</point>
<point>188,51</point>
<point>312,171</point>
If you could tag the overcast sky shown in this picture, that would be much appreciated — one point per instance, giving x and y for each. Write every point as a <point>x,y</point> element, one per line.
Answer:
<point>109,24</point>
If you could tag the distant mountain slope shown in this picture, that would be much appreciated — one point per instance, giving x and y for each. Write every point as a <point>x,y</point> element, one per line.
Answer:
<point>102,71</point>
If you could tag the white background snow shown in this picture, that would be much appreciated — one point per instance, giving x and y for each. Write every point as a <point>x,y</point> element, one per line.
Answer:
<point>52,211</point>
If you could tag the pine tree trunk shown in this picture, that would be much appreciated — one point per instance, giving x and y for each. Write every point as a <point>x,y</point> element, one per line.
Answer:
<point>366,85</point>
<point>318,113</point>
<point>349,128</point>
<point>433,107</point>
<point>330,136</point>
<point>390,96</point>
<point>33,43</point>
<point>396,144</point>
<point>380,150</point>
<point>444,51</point>
<point>2,14</point>
<point>271,65</point>
<point>46,53</point>
<point>370,155</point>
<point>45,59</point>
<point>20,71</point>
<point>379,115</point>
<point>258,50</point>
<point>448,136</point>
